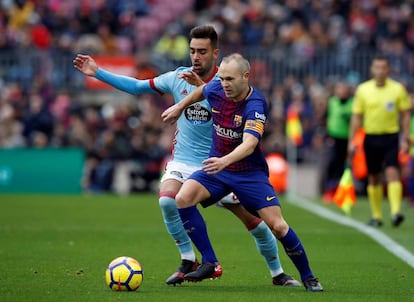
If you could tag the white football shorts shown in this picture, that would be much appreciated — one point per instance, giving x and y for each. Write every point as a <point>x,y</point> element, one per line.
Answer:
<point>181,172</point>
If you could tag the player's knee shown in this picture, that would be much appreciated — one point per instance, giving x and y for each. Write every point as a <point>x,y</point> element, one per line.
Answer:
<point>167,203</point>
<point>279,228</point>
<point>182,201</point>
<point>251,222</point>
<point>190,195</point>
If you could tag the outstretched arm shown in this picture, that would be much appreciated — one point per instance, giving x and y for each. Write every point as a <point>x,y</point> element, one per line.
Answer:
<point>171,114</point>
<point>88,66</point>
<point>85,64</point>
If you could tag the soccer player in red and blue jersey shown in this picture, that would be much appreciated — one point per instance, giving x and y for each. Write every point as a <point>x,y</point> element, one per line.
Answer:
<point>236,162</point>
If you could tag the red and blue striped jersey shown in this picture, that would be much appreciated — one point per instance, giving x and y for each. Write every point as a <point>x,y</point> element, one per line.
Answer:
<point>231,120</point>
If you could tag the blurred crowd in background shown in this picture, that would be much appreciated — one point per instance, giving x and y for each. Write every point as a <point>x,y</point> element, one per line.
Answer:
<point>299,50</point>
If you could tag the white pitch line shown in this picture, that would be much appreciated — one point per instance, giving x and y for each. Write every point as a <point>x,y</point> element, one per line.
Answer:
<point>382,239</point>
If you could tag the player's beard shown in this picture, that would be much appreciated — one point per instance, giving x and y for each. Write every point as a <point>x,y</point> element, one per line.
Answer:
<point>200,72</point>
<point>204,71</point>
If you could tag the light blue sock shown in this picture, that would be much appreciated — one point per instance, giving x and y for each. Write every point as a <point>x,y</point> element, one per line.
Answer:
<point>266,244</point>
<point>175,227</point>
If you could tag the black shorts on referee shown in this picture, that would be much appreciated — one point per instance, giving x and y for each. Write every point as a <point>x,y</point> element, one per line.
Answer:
<point>381,151</point>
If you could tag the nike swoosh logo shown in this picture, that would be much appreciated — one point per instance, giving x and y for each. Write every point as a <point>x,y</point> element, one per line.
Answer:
<point>269,198</point>
<point>214,110</point>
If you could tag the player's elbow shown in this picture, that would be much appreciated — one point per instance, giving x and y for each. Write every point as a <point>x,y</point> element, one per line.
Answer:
<point>250,143</point>
<point>250,149</point>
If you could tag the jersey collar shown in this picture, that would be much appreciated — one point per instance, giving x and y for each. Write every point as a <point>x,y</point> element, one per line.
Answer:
<point>212,75</point>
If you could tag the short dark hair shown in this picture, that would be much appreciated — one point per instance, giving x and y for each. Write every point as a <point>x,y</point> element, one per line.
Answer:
<point>380,57</point>
<point>205,32</point>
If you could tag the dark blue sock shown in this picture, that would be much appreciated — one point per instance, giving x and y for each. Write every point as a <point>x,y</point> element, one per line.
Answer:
<point>196,228</point>
<point>294,249</point>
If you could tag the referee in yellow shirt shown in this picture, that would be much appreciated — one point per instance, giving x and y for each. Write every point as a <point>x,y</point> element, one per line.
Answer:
<point>382,108</point>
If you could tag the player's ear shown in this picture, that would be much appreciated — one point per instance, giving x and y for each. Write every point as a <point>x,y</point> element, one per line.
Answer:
<point>216,53</point>
<point>246,75</point>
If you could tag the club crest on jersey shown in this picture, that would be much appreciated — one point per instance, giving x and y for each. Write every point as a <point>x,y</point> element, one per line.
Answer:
<point>237,120</point>
<point>390,105</point>
<point>184,92</point>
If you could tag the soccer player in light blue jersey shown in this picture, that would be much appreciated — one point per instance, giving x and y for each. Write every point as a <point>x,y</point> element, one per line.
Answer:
<point>191,146</point>
<point>236,162</point>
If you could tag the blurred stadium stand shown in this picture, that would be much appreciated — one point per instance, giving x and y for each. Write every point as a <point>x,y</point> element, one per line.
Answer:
<point>297,49</point>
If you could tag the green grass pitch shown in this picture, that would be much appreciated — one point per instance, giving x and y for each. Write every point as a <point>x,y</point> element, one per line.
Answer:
<point>56,248</point>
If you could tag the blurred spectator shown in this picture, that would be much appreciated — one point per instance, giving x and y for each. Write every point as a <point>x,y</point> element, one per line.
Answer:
<point>60,107</point>
<point>299,102</point>
<point>37,119</point>
<point>98,174</point>
<point>409,36</point>
<point>11,128</point>
<point>109,43</point>
<point>89,43</point>
<point>61,55</point>
<point>253,24</point>
<point>93,122</point>
<point>20,13</point>
<point>78,133</point>
<point>39,139</point>
<point>318,97</point>
<point>296,49</point>
<point>232,40</point>
<point>261,76</point>
<point>188,21</point>
<point>144,67</point>
<point>172,45</point>
<point>408,168</point>
<point>338,118</point>
<point>301,46</point>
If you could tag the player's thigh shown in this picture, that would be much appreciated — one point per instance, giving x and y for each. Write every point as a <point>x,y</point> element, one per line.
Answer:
<point>232,203</point>
<point>228,200</point>
<point>178,171</point>
<point>240,212</point>
<point>373,148</point>
<point>391,151</point>
<point>170,186</point>
<point>174,176</point>
<point>191,193</point>
<point>272,216</point>
<point>252,189</point>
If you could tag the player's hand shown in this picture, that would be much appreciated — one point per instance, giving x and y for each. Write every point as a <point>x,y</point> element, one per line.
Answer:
<point>405,145</point>
<point>85,64</point>
<point>171,114</point>
<point>214,165</point>
<point>351,150</point>
<point>191,78</point>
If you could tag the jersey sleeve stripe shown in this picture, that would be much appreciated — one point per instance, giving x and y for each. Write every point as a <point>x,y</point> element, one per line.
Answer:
<point>152,84</point>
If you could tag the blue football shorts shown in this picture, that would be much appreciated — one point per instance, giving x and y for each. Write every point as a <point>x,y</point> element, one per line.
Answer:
<point>252,188</point>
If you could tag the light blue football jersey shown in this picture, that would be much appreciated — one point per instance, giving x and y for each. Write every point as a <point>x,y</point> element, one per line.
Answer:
<point>193,137</point>
<point>194,127</point>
